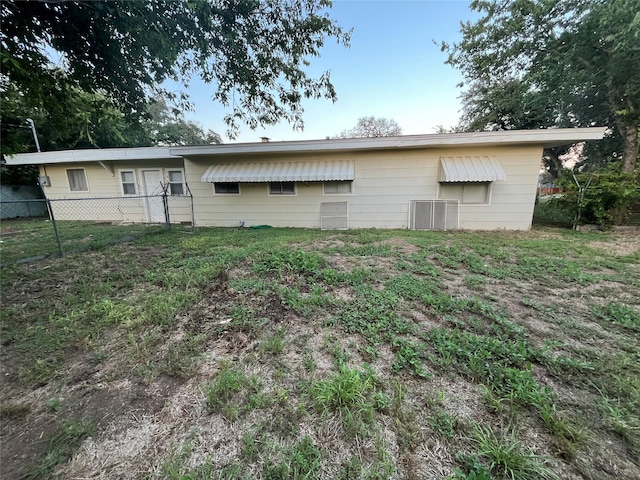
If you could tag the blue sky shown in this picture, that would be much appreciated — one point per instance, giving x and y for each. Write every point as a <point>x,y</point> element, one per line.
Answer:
<point>393,69</point>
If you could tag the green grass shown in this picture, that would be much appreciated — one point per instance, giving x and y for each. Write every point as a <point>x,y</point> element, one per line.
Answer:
<point>507,457</point>
<point>289,353</point>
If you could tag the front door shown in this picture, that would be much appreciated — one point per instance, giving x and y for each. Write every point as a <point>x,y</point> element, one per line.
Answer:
<point>152,185</point>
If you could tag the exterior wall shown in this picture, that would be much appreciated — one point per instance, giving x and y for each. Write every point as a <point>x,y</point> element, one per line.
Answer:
<point>105,201</point>
<point>385,183</point>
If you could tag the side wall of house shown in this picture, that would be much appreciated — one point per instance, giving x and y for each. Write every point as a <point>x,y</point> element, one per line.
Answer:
<point>104,199</point>
<point>385,183</point>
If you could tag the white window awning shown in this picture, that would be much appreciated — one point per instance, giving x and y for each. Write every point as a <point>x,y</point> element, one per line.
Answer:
<point>318,171</point>
<point>470,169</point>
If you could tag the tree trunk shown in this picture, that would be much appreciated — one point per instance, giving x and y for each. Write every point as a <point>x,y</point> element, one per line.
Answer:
<point>629,131</point>
<point>553,161</point>
<point>630,152</point>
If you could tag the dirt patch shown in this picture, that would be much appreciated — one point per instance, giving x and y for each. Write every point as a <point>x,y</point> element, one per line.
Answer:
<point>622,245</point>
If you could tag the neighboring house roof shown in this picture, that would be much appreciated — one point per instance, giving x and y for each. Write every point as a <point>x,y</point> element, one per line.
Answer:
<point>470,169</point>
<point>280,172</point>
<point>544,137</point>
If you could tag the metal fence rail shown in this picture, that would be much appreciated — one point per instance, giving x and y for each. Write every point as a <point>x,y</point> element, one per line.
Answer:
<point>76,224</point>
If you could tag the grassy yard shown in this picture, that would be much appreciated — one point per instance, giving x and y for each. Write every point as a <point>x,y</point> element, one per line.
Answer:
<point>294,354</point>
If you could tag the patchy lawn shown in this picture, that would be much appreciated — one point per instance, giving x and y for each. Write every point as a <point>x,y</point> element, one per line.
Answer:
<point>283,354</point>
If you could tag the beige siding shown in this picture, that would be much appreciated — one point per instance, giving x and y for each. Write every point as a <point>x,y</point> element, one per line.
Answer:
<point>385,183</point>
<point>103,183</point>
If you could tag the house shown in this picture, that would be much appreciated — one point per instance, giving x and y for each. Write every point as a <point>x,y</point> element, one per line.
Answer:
<point>474,181</point>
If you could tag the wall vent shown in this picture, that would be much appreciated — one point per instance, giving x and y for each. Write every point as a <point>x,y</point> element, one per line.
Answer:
<point>334,216</point>
<point>434,215</point>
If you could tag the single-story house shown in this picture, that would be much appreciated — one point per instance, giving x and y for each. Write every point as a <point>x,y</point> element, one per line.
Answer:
<point>474,181</point>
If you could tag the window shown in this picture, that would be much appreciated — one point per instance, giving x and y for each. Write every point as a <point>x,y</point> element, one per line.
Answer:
<point>282,188</point>
<point>77,180</point>
<point>226,188</point>
<point>176,182</point>
<point>337,188</point>
<point>468,193</point>
<point>128,181</point>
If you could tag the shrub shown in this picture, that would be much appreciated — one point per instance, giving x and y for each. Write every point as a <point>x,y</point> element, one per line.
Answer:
<point>604,198</point>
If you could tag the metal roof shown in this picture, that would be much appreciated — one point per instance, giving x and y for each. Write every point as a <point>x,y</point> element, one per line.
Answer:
<point>318,171</point>
<point>541,137</point>
<point>470,169</point>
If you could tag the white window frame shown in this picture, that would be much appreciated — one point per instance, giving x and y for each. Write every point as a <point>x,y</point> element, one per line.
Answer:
<point>226,194</point>
<point>184,181</point>
<point>324,189</point>
<point>86,180</point>
<point>295,190</point>
<point>135,182</point>
<point>460,202</point>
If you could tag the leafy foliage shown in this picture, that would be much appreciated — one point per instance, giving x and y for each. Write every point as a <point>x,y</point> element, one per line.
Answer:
<point>604,198</point>
<point>559,63</point>
<point>252,52</point>
<point>371,127</point>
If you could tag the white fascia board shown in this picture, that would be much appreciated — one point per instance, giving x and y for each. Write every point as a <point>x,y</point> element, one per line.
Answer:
<point>91,155</point>
<point>542,137</point>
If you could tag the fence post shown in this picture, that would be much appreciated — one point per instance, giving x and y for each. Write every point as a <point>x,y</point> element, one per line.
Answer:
<point>55,227</point>
<point>193,214</point>
<point>165,202</point>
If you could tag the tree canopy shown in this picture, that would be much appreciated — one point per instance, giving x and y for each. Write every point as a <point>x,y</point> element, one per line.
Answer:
<point>370,127</point>
<point>554,63</point>
<point>86,120</point>
<point>253,53</point>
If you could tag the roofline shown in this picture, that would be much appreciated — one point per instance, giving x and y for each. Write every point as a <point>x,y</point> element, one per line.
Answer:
<point>91,155</point>
<point>543,137</point>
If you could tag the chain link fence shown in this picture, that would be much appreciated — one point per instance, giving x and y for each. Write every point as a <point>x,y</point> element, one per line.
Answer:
<point>75,224</point>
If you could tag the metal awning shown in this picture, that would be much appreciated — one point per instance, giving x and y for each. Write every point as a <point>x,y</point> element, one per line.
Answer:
<point>470,169</point>
<point>318,171</point>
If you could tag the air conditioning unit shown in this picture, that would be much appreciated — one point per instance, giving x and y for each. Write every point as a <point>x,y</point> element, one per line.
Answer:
<point>434,214</point>
<point>44,181</point>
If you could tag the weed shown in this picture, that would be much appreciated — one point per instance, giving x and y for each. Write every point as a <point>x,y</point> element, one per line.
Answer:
<point>273,343</point>
<point>411,287</point>
<point>250,446</point>
<point>219,392</point>
<point>471,469</point>
<point>308,362</point>
<point>507,457</point>
<point>290,261</point>
<point>383,467</point>
<point>347,394</point>
<point>373,314</point>
<point>442,423</point>
<point>408,357</point>
<point>350,469</point>
<point>475,282</point>
<point>301,462</point>
<point>619,314</point>
<point>54,404</point>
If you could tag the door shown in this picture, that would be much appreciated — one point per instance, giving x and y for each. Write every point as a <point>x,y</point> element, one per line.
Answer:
<point>152,185</point>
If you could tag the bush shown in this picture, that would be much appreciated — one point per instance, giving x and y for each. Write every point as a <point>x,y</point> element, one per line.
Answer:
<point>604,198</point>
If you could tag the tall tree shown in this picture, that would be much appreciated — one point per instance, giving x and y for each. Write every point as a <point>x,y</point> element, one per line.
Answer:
<point>168,126</point>
<point>252,52</point>
<point>554,63</point>
<point>370,127</point>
